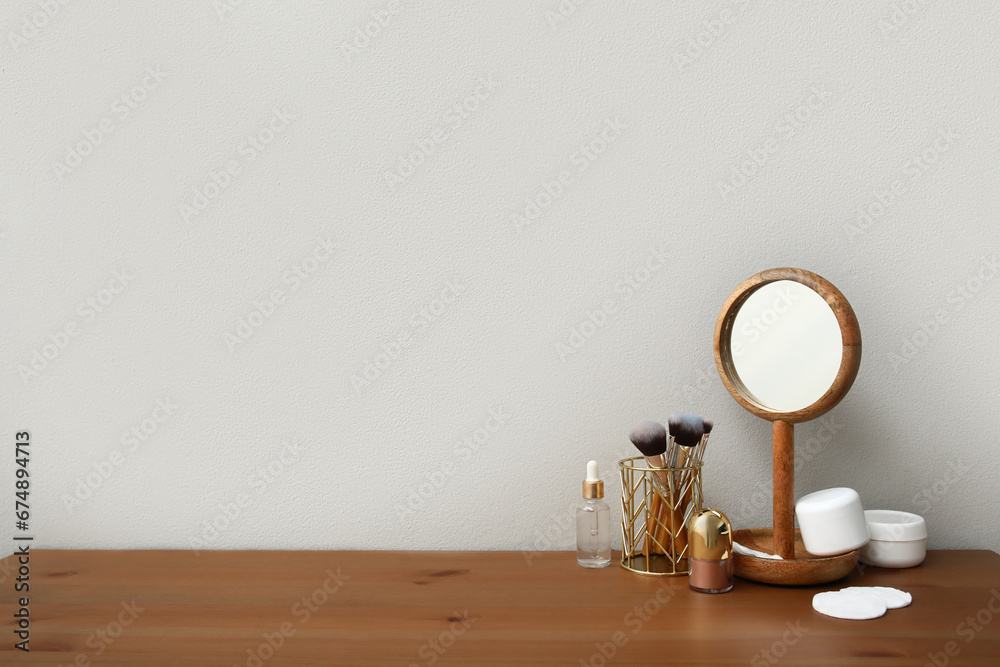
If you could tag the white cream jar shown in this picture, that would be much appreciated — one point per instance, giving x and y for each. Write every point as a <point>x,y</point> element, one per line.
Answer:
<point>832,521</point>
<point>898,539</point>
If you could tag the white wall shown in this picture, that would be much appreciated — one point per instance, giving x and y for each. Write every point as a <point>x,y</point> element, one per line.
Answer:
<point>871,97</point>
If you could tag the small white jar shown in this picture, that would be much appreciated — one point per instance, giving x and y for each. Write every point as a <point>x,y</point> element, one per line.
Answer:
<point>899,539</point>
<point>832,521</point>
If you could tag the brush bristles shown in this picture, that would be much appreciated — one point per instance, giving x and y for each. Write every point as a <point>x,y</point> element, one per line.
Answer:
<point>686,429</point>
<point>650,438</point>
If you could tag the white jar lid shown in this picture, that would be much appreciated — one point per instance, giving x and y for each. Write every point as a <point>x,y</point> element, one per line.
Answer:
<point>828,503</point>
<point>894,526</point>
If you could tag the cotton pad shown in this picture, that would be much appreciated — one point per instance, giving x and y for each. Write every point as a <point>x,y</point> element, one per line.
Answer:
<point>892,597</point>
<point>849,604</point>
<point>747,551</point>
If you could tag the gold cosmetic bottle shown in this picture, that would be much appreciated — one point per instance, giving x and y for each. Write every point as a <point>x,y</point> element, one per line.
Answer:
<point>710,539</point>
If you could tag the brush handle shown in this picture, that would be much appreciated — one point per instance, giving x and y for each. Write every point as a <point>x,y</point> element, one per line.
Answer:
<point>688,456</point>
<point>685,478</point>
<point>666,528</point>
<point>659,477</point>
<point>670,519</point>
<point>694,457</point>
<point>702,447</point>
<point>652,514</point>
<point>658,482</point>
<point>683,491</point>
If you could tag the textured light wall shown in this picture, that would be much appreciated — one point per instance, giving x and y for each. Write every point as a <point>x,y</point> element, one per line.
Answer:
<point>385,275</point>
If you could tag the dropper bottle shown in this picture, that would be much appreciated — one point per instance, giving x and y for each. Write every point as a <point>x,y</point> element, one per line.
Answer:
<point>593,523</point>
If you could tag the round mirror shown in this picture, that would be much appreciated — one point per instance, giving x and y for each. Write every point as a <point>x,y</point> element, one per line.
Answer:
<point>788,345</point>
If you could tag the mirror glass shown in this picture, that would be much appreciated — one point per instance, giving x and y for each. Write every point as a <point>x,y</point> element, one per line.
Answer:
<point>786,346</point>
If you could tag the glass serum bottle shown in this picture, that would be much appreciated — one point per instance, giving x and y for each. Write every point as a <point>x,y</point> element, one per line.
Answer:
<point>593,523</point>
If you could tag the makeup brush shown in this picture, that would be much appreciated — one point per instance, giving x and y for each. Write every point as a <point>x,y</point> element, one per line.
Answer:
<point>694,459</point>
<point>704,440</point>
<point>686,430</point>
<point>650,438</point>
<point>696,456</point>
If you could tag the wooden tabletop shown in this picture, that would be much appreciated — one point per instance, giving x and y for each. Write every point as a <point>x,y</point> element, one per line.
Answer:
<point>257,608</point>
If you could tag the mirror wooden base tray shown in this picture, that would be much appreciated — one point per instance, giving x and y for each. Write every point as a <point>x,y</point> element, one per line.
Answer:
<point>805,570</point>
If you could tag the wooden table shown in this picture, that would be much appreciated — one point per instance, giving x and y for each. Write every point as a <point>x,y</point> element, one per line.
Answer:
<point>472,608</point>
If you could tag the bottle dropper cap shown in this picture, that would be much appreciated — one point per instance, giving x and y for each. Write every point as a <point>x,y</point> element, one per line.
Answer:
<point>593,487</point>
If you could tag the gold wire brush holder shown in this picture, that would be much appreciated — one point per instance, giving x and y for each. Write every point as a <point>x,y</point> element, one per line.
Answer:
<point>657,505</point>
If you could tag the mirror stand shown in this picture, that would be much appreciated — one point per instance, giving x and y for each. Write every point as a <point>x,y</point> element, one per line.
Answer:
<point>783,489</point>
<point>788,347</point>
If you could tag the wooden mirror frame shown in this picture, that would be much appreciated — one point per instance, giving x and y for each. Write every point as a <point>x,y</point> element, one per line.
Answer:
<point>850,333</point>
<point>784,439</point>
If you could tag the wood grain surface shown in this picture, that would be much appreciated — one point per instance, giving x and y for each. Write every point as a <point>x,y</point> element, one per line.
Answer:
<point>474,608</point>
<point>783,489</point>
<point>804,569</point>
